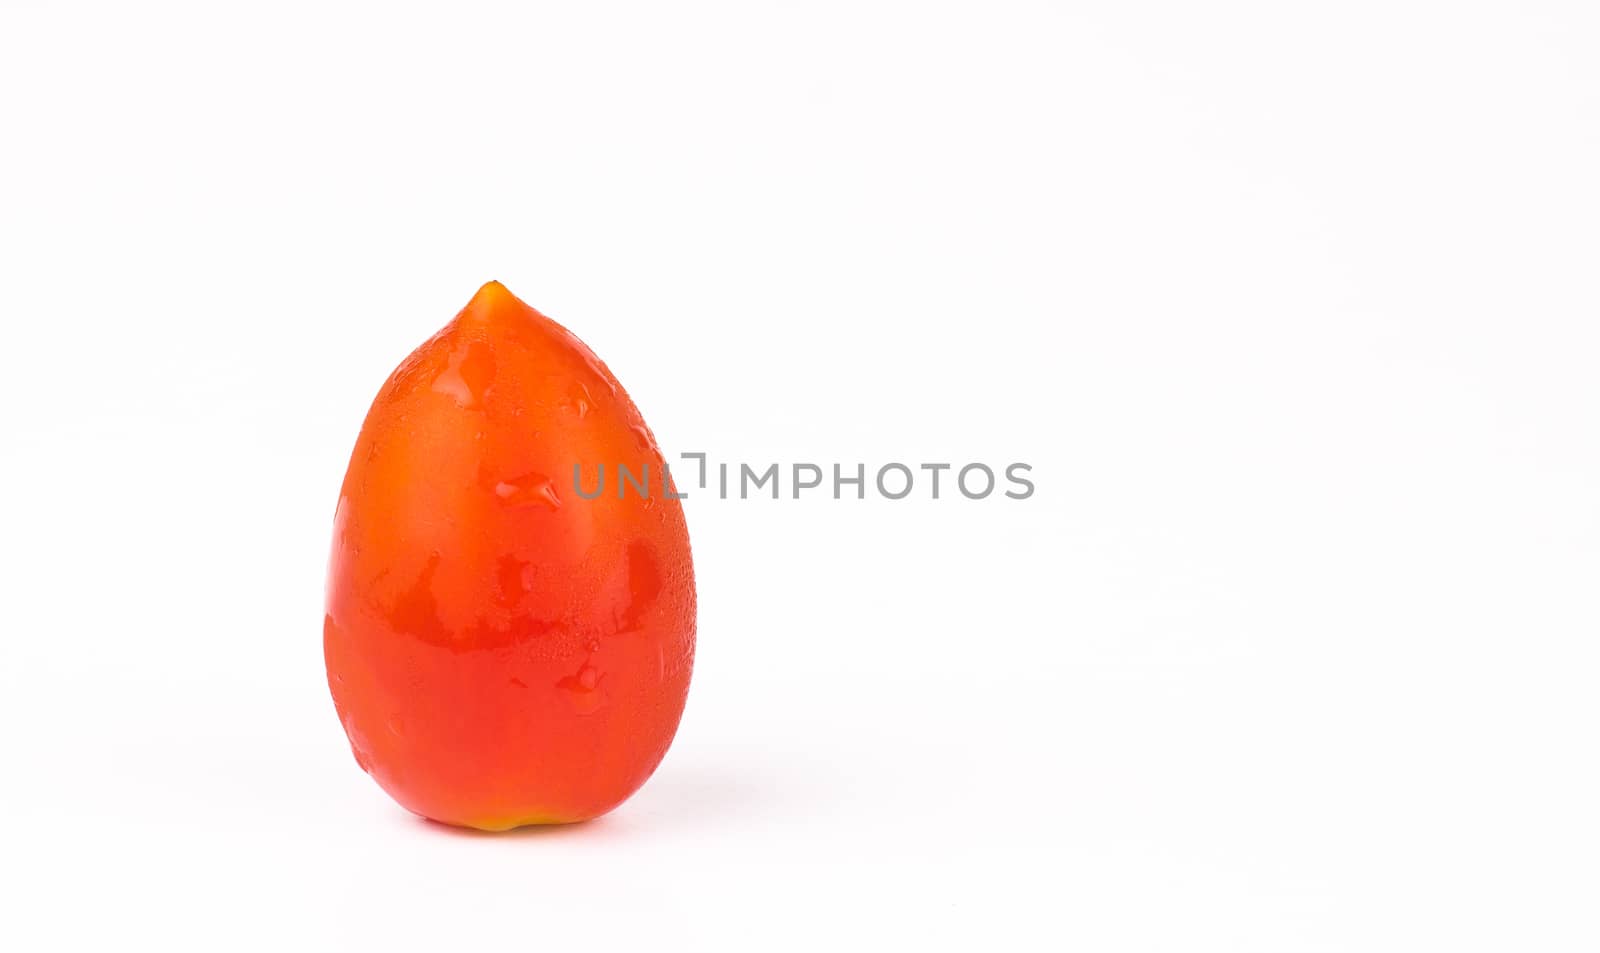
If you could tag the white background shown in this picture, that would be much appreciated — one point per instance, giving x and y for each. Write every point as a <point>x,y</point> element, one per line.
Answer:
<point>1293,308</point>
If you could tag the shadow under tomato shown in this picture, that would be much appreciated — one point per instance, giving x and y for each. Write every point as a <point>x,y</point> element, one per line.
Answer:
<point>675,799</point>
<point>598,827</point>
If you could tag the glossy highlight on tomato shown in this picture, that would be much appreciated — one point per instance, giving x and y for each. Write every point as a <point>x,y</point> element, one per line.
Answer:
<point>501,650</point>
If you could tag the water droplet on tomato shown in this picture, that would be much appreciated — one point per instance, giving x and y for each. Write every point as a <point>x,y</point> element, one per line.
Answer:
<point>583,690</point>
<point>578,400</point>
<point>530,488</point>
<point>468,374</point>
<point>647,440</point>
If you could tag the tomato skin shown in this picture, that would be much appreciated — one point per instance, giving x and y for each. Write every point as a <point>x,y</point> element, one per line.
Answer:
<point>502,651</point>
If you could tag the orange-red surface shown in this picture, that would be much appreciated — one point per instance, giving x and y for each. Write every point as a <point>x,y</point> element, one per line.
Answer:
<point>502,651</point>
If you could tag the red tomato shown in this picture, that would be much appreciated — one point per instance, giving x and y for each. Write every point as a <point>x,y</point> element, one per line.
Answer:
<point>501,650</point>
